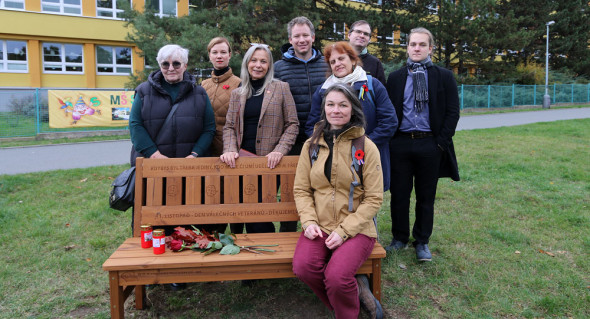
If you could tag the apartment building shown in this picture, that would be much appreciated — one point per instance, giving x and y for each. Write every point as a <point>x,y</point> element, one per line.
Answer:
<point>71,43</point>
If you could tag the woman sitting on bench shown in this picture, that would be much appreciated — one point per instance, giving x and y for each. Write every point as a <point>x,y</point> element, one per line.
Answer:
<point>336,214</point>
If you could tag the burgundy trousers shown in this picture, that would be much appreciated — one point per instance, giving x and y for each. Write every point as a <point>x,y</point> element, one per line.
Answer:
<point>330,274</point>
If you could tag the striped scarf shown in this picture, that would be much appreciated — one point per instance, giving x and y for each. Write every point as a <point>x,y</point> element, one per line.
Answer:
<point>419,80</point>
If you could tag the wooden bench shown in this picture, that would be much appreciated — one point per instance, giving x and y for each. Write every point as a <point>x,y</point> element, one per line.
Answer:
<point>188,191</point>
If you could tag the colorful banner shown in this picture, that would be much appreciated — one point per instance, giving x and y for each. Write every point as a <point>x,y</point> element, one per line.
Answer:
<point>89,108</point>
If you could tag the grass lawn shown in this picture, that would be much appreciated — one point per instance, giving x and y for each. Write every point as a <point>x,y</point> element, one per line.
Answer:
<point>511,240</point>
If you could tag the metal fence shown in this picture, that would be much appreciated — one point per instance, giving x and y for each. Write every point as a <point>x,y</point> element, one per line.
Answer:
<point>24,112</point>
<point>488,96</point>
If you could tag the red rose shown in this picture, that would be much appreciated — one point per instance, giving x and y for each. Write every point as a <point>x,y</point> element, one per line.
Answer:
<point>366,88</point>
<point>177,245</point>
<point>226,87</point>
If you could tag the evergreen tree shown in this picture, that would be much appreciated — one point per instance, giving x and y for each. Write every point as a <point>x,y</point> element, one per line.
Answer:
<point>570,37</point>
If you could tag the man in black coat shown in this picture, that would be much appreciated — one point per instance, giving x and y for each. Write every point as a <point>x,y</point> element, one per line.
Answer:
<point>359,36</point>
<point>426,101</point>
<point>304,68</point>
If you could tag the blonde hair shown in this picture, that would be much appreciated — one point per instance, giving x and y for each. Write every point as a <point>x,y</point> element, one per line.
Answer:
<point>246,88</point>
<point>218,40</point>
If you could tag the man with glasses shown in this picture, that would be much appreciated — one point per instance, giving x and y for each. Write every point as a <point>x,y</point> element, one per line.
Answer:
<point>304,68</point>
<point>359,37</point>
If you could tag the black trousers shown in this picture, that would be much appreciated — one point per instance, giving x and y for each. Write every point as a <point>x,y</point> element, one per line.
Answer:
<point>414,165</point>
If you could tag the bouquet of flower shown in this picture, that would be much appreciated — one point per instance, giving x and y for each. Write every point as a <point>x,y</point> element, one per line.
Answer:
<point>206,243</point>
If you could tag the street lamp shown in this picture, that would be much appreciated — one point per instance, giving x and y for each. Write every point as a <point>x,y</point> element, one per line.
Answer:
<point>546,97</point>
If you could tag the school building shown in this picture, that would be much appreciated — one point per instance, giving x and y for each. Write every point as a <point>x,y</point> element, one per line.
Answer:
<point>71,43</point>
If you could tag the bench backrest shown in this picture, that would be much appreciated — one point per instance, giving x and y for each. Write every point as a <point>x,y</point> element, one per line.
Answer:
<point>184,191</point>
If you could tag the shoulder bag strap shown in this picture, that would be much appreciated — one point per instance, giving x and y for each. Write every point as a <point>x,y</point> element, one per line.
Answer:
<point>167,121</point>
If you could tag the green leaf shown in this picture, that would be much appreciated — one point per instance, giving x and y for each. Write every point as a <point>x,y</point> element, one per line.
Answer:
<point>197,248</point>
<point>216,244</point>
<point>230,250</point>
<point>226,240</point>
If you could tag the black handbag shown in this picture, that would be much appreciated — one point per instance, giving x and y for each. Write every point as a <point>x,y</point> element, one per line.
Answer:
<point>123,190</point>
<point>123,187</point>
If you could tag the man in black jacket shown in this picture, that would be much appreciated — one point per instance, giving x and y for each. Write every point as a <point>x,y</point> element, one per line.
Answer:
<point>359,37</point>
<point>304,68</point>
<point>426,101</point>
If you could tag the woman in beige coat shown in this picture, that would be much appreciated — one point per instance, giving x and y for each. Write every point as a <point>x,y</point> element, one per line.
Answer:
<point>219,88</point>
<point>336,206</point>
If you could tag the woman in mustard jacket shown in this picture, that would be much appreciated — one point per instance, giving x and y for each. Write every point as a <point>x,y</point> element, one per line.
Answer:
<point>336,207</point>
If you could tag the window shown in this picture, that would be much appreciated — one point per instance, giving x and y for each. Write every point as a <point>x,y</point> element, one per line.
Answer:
<point>110,8</point>
<point>163,8</point>
<point>62,58</point>
<point>13,56</point>
<point>62,6</point>
<point>12,4</point>
<point>339,34</point>
<point>113,60</point>
<point>388,40</point>
<point>403,39</point>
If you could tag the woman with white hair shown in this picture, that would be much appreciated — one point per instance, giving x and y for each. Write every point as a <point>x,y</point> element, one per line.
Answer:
<point>170,91</point>
<point>261,118</point>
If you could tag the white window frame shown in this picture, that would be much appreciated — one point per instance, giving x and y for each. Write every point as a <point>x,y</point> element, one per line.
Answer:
<point>64,65</point>
<point>339,35</point>
<point>114,65</point>
<point>114,10</point>
<point>160,12</point>
<point>62,7</point>
<point>3,4</point>
<point>4,62</point>
<point>388,40</point>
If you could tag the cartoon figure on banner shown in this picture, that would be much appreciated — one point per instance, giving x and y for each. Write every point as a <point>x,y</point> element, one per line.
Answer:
<point>78,110</point>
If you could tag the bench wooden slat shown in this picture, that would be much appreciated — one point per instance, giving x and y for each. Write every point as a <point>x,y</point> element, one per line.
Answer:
<point>269,189</point>
<point>212,190</point>
<point>231,188</point>
<point>211,166</point>
<point>250,188</point>
<point>211,214</point>
<point>287,182</point>
<point>173,191</point>
<point>193,190</point>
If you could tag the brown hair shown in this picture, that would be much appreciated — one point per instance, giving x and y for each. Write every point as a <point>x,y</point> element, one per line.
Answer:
<point>216,41</point>
<point>341,47</point>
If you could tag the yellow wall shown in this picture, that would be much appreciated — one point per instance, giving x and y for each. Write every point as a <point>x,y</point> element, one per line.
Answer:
<point>63,80</point>
<point>20,23</point>
<point>37,27</point>
<point>14,79</point>
<point>111,81</point>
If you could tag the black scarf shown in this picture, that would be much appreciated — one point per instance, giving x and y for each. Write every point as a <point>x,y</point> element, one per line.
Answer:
<point>420,87</point>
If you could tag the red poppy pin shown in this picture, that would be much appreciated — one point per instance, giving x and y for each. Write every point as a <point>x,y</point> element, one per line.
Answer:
<point>226,87</point>
<point>360,155</point>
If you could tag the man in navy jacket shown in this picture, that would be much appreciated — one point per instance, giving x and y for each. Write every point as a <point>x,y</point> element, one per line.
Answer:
<point>426,101</point>
<point>304,68</point>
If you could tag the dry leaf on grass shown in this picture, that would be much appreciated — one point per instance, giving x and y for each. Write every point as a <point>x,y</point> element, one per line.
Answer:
<point>546,252</point>
<point>83,180</point>
<point>69,247</point>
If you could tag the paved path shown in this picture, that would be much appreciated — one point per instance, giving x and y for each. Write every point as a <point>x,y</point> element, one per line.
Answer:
<point>17,160</point>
